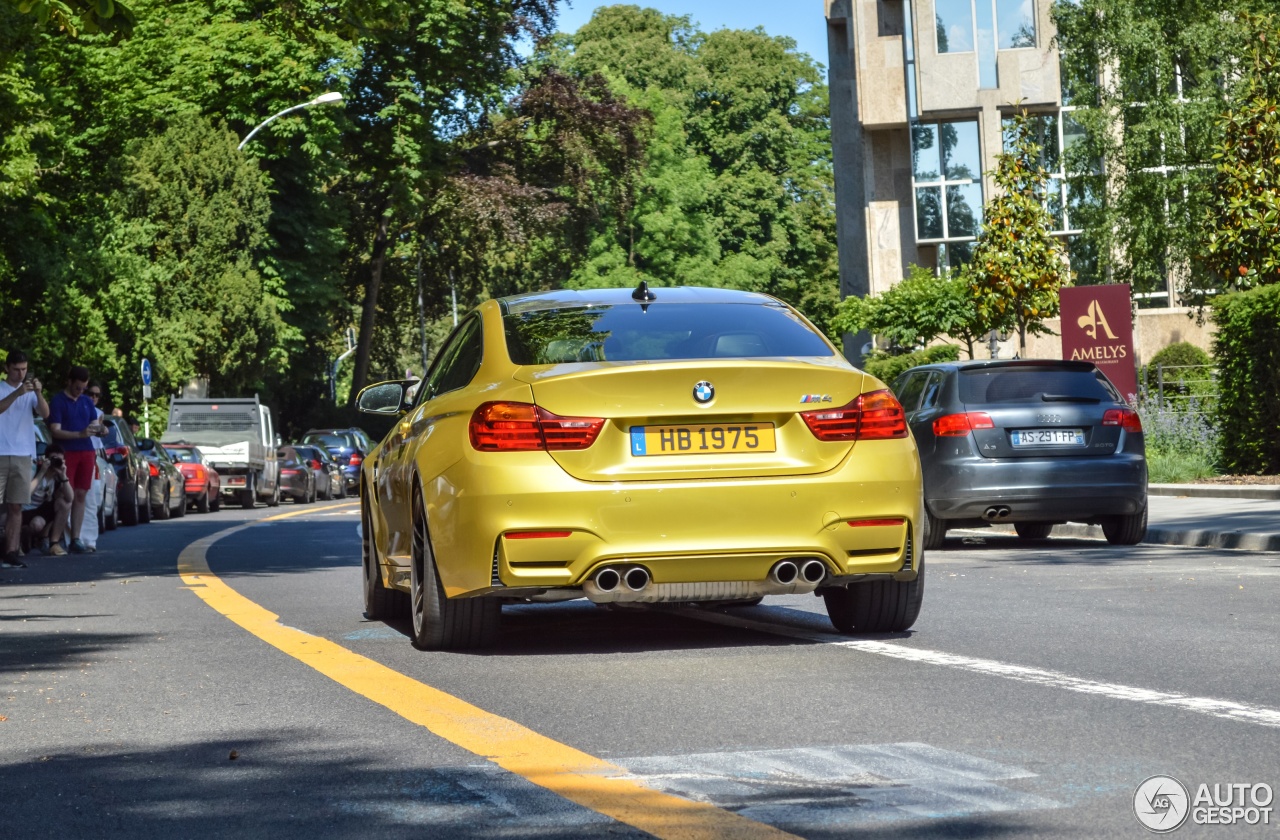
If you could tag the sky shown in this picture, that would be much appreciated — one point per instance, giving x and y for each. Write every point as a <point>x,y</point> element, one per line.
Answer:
<point>803,22</point>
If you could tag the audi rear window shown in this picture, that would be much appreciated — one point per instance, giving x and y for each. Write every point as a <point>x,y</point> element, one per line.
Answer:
<point>659,332</point>
<point>988,386</point>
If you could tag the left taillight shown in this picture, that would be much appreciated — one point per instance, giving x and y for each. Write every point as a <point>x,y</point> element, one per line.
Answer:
<point>876,415</point>
<point>1125,418</point>
<point>521,427</point>
<point>155,471</point>
<point>356,459</point>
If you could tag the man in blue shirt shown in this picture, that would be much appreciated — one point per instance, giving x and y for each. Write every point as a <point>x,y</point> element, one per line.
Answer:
<point>73,422</point>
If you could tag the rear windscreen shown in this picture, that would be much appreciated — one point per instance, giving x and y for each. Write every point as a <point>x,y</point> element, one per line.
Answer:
<point>331,441</point>
<point>1025,384</point>
<point>659,332</point>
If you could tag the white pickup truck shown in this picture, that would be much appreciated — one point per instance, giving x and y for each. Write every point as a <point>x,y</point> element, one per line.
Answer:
<point>236,436</point>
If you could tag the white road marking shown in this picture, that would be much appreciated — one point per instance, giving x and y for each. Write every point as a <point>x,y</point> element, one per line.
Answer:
<point>1226,709</point>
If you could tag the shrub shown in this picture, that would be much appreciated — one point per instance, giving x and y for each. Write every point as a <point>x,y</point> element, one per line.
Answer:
<point>1180,371</point>
<point>1247,347</point>
<point>1182,440</point>
<point>887,368</point>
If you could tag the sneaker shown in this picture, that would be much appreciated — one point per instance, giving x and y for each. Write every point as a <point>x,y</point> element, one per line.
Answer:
<point>91,548</point>
<point>56,550</point>
<point>77,547</point>
<point>12,561</point>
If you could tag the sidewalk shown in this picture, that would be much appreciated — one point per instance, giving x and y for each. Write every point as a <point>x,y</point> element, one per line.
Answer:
<point>1205,515</point>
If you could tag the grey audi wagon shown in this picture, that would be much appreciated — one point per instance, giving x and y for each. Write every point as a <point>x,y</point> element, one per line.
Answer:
<point>1031,442</point>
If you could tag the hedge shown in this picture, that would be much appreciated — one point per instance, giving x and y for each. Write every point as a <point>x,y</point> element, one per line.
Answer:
<point>1247,347</point>
<point>887,368</point>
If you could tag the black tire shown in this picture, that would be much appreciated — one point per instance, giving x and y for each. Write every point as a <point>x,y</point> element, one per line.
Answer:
<point>181,509</point>
<point>128,508</point>
<point>380,603</point>
<point>215,503</point>
<point>441,623</point>
<point>1129,529</point>
<point>934,531</point>
<point>144,511</point>
<point>202,501</point>
<point>248,496</point>
<point>878,606</point>
<point>1033,530</point>
<point>274,501</point>
<point>163,512</point>
<point>113,521</point>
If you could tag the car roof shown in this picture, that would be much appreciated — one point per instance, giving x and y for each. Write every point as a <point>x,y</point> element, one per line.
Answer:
<point>577,298</point>
<point>991,364</point>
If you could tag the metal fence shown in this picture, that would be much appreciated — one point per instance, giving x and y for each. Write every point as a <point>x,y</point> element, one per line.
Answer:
<point>1180,386</point>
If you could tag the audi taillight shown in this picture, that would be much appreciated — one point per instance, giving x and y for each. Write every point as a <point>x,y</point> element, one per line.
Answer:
<point>356,459</point>
<point>876,415</point>
<point>1125,418</point>
<point>959,425</point>
<point>521,427</point>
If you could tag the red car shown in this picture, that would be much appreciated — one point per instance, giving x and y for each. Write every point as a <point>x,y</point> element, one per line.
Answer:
<point>203,484</point>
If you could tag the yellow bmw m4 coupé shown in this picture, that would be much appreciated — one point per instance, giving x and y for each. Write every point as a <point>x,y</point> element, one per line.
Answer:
<point>638,447</point>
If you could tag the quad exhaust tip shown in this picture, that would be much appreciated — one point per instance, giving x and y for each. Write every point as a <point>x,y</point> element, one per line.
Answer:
<point>608,579</point>
<point>636,578</point>
<point>784,572</point>
<point>813,571</point>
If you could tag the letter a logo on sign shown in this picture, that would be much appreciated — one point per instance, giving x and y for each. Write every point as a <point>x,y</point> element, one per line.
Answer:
<point>1089,323</point>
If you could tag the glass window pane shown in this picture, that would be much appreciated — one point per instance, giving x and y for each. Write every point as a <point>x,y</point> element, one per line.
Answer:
<point>964,210</point>
<point>958,254</point>
<point>1072,132</point>
<point>960,153</point>
<point>928,212</point>
<point>924,152</point>
<point>955,25</point>
<point>987,76</point>
<point>1016,21</point>
<point>1053,203</point>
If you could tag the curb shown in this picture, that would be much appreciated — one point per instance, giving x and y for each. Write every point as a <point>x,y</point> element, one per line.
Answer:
<point>1240,540</point>
<point>1217,491</point>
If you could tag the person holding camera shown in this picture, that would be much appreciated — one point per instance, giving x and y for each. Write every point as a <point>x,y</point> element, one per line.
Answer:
<point>73,422</point>
<point>21,398</point>
<point>51,498</point>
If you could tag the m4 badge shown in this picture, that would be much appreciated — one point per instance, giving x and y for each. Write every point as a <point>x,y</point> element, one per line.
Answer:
<point>815,398</point>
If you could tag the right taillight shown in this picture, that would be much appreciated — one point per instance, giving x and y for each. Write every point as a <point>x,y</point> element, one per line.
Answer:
<point>959,425</point>
<point>122,451</point>
<point>876,415</point>
<point>521,427</point>
<point>1125,418</point>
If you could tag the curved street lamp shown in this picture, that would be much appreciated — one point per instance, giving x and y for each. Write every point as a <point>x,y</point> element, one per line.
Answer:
<point>331,96</point>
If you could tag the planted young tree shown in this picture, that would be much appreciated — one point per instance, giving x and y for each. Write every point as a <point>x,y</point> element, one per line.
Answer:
<point>1240,248</point>
<point>1017,266</point>
<point>914,311</point>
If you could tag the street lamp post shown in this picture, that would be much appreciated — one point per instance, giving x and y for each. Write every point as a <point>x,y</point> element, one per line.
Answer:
<point>331,96</point>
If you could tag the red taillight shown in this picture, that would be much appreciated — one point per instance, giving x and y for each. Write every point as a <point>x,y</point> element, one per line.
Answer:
<point>288,472</point>
<point>155,471</point>
<point>959,425</point>
<point>122,451</point>
<point>521,427</point>
<point>356,459</point>
<point>872,416</point>
<point>536,535</point>
<point>315,465</point>
<point>1125,418</point>
<point>874,523</point>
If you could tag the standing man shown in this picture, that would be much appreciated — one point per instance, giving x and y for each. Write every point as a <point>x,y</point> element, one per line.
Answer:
<point>73,421</point>
<point>21,398</point>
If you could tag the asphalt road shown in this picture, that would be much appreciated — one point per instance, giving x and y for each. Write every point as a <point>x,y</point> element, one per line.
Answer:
<point>1042,684</point>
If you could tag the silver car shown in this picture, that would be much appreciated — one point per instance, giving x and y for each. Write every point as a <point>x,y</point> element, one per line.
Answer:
<point>1030,442</point>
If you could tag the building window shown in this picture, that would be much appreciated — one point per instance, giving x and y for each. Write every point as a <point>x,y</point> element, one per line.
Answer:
<point>947,181</point>
<point>985,26</point>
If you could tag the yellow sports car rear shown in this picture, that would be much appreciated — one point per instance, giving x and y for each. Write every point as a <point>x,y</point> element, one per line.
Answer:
<point>638,446</point>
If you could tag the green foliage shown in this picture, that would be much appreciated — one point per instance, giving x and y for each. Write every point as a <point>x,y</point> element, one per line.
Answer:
<point>1182,440</point>
<point>887,368</point>
<point>1247,346</point>
<point>1240,247</point>
<point>1017,266</point>
<point>913,312</point>
<point>80,16</point>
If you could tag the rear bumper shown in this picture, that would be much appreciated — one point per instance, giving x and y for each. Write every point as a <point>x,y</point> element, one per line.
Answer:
<point>1057,490</point>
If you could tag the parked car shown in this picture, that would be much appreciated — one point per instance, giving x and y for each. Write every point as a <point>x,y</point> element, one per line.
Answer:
<point>168,486</point>
<point>1029,442</point>
<point>133,486</point>
<point>635,447</point>
<point>348,447</point>
<point>203,485</point>
<point>297,478</point>
<point>330,482</point>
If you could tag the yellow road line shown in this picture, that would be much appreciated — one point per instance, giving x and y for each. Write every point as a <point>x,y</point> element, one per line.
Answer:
<point>573,774</point>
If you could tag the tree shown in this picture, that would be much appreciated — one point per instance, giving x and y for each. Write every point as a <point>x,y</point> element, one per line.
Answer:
<point>1240,248</point>
<point>80,16</point>
<point>1017,266</point>
<point>914,311</point>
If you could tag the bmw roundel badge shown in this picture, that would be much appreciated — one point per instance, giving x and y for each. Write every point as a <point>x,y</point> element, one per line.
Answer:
<point>703,392</point>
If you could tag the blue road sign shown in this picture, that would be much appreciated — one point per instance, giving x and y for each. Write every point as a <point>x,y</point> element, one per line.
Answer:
<point>146,372</point>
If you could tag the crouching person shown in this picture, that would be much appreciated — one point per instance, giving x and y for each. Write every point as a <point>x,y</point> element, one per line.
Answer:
<point>46,517</point>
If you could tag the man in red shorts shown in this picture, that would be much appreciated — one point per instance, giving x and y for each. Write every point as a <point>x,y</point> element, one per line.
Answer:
<point>73,422</point>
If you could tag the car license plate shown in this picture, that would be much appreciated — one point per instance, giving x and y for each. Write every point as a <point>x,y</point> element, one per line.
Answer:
<point>702,439</point>
<point>1048,437</point>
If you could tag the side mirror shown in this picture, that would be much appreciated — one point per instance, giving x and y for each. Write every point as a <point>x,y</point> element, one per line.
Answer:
<point>386,398</point>
<point>146,444</point>
<point>116,458</point>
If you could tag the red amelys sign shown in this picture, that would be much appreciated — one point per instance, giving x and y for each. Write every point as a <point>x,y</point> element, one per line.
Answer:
<point>1097,327</point>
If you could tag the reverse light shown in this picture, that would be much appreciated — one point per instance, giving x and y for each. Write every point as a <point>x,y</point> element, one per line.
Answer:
<point>1125,418</point>
<point>876,415</point>
<point>521,427</point>
<point>959,425</point>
